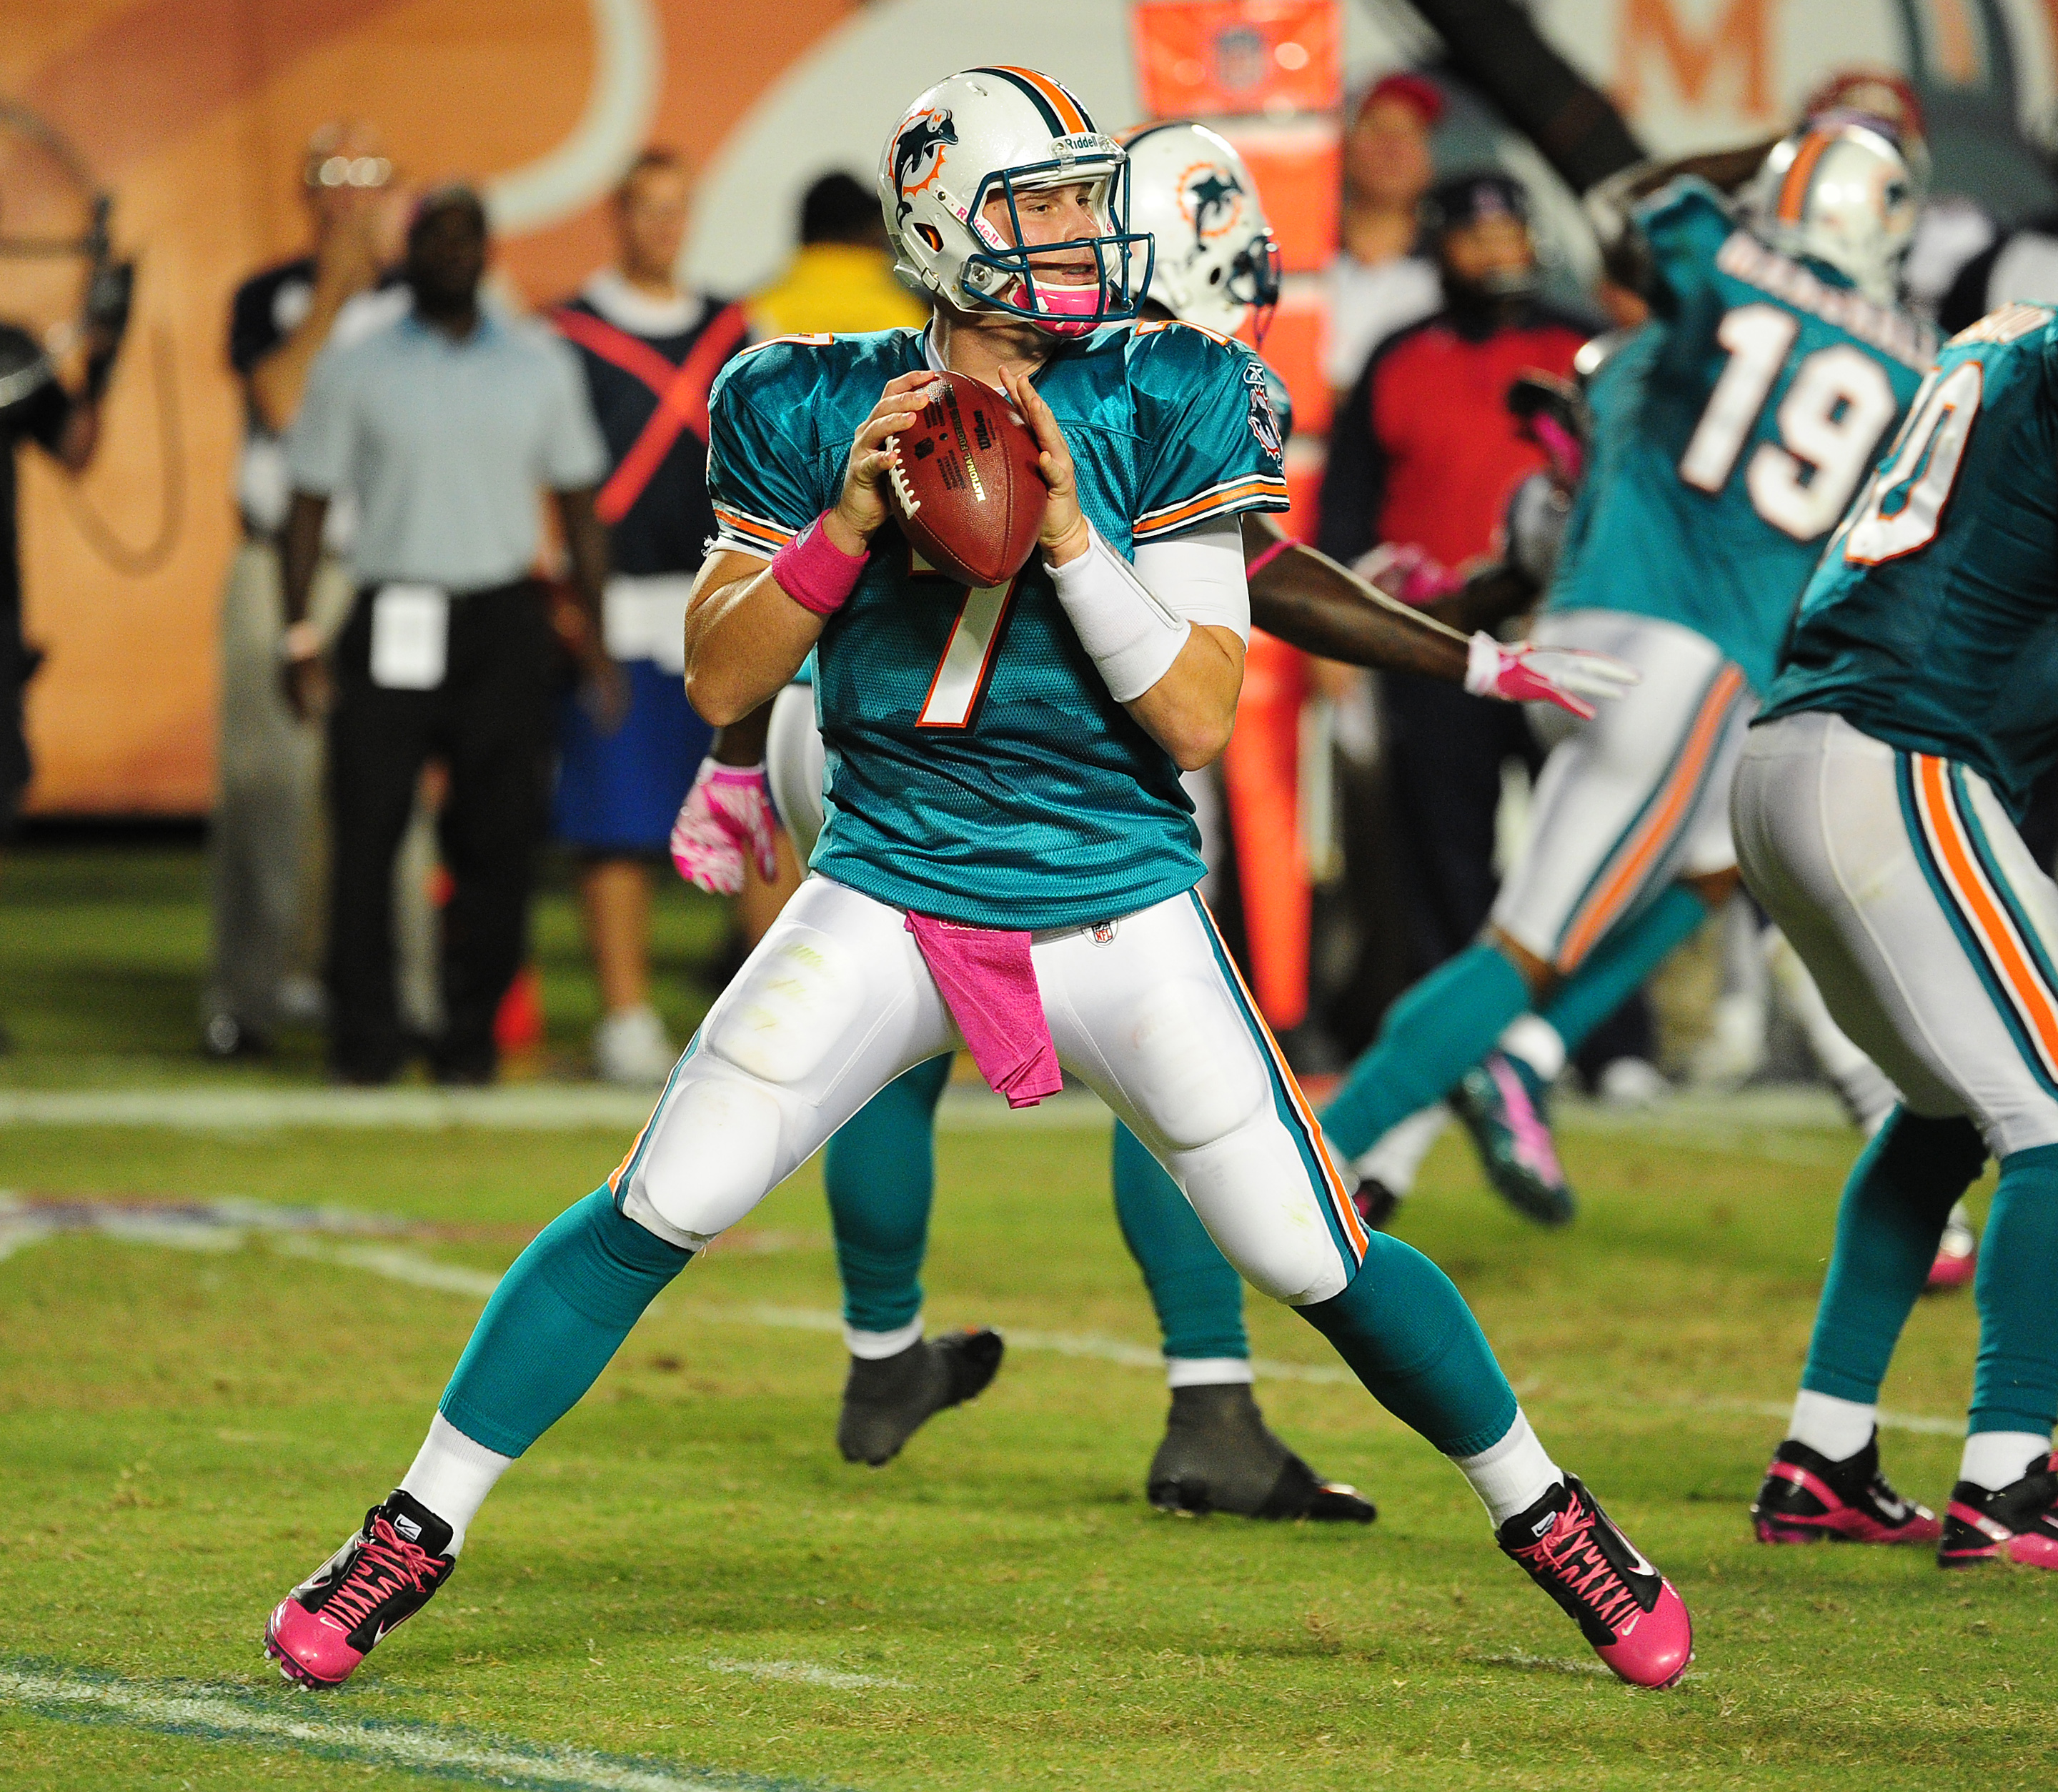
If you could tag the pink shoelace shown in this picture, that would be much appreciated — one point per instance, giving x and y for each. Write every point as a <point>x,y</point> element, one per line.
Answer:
<point>386,1563</point>
<point>1570,1555</point>
<point>1533,1139</point>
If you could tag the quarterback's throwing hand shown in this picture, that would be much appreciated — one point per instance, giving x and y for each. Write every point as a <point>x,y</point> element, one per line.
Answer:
<point>1064,536</point>
<point>1572,677</point>
<point>860,509</point>
<point>727,815</point>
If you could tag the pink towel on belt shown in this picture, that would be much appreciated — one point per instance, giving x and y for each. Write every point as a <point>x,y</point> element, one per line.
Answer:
<point>989,983</point>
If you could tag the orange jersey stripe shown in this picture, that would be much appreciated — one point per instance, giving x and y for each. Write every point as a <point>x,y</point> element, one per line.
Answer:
<point>753,526</point>
<point>1061,103</point>
<point>1346,1211</point>
<point>1262,486</point>
<point>1992,926</point>
<point>1601,910</point>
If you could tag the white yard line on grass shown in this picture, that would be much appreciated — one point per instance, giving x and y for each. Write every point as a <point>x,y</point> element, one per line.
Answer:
<point>411,1747</point>
<point>805,1673</point>
<point>224,1224</point>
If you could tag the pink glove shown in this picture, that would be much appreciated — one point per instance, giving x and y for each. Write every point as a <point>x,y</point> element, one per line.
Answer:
<point>1406,572</point>
<point>727,814</point>
<point>1567,677</point>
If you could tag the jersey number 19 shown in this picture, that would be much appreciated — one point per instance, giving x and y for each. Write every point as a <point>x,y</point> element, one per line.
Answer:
<point>1829,422</point>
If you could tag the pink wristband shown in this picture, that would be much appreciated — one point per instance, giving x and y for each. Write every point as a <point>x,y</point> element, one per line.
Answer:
<point>1267,556</point>
<point>815,572</point>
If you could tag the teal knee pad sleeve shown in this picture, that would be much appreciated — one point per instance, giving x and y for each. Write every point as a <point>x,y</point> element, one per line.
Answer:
<point>1409,1335</point>
<point>1435,1033</point>
<point>880,1172</point>
<point>1623,964</point>
<point>2015,1388</point>
<point>1199,1297</point>
<point>1900,1193</point>
<point>558,1317</point>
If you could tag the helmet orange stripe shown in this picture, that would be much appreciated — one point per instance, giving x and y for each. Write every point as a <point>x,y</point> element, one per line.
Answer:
<point>1793,189</point>
<point>1068,108</point>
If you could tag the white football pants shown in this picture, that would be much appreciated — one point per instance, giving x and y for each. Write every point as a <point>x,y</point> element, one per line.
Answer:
<point>1145,1009</point>
<point>1633,800</point>
<point>1931,931</point>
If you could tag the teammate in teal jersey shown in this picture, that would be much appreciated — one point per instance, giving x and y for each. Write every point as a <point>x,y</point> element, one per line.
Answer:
<point>1875,812</point>
<point>1214,266</point>
<point>1077,938</point>
<point>1728,433</point>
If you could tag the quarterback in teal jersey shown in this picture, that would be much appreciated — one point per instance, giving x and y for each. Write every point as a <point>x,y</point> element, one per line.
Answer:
<point>1098,680</point>
<point>1875,811</point>
<point>1729,434</point>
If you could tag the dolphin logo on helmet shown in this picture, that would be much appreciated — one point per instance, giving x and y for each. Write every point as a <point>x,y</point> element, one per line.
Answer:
<point>921,139</point>
<point>1217,261</point>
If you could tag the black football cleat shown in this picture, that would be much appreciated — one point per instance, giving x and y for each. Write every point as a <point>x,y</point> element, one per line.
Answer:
<point>386,1573</point>
<point>888,1399</point>
<point>1624,1607</point>
<point>1218,1456</point>
<point>1806,1496</point>
<point>2018,1523</point>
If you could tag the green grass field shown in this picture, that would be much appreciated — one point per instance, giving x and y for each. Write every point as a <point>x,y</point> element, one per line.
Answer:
<point>683,1585</point>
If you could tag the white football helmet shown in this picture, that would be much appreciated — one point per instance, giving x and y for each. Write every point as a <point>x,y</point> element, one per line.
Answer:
<point>1217,259</point>
<point>1007,131</point>
<point>1838,190</point>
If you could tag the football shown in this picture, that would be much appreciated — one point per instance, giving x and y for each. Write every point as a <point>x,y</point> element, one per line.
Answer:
<point>966,487</point>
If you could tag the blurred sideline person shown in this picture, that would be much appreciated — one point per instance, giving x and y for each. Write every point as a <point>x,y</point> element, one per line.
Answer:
<point>1215,268</point>
<point>36,406</point>
<point>1729,434</point>
<point>263,844</point>
<point>443,424</point>
<point>650,351</point>
<point>841,277</point>
<point>1380,281</point>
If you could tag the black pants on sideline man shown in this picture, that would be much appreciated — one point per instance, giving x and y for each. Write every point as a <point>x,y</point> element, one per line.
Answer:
<point>491,724</point>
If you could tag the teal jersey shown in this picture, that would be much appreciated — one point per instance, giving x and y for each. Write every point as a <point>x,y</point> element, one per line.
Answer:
<point>977,769</point>
<point>1932,623</point>
<point>1730,433</point>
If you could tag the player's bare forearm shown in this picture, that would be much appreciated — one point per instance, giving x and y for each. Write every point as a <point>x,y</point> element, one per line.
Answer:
<point>742,743</point>
<point>1190,711</point>
<point>1310,603</point>
<point>1486,600</point>
<point>745,638</point>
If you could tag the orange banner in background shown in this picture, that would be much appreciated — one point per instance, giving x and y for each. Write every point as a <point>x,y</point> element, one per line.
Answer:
<point>193,112</point>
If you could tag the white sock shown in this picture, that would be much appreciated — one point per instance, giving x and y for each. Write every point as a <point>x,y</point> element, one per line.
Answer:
<point>874,1346</point>
<point>1994,1460</point>
<point>1206,1371</point>
<point>1396,1158</point>
<point>1513,1475</point>
<point>1830,1427</point>
<point>452,1477</point>
<point>1538,1043</point>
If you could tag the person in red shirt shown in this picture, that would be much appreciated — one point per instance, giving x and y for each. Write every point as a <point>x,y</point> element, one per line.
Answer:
<point>1426,452</point>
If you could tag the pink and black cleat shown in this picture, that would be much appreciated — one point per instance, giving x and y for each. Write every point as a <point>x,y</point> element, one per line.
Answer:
<point>378,1579</point>
<point>2017,1524</point>
<point>1623,1606</point>
<point>1501,1102</point>
<point>1957,1259</point>
<point>1806,1497</point>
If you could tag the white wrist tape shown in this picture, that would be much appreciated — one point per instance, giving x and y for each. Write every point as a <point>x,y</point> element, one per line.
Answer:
<point>1482,664</point>
<point>1129,635</point>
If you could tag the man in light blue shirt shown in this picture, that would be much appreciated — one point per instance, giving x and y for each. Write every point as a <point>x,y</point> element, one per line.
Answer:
<point>444,426</point>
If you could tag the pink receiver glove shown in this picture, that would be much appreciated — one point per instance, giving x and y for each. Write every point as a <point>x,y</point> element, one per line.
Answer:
<point>1572,677</point>
<point>727,814</point>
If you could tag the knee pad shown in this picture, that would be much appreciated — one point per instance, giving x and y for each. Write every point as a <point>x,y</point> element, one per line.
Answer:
<point>1252,1193</point>
<point>712,1156</point>
<point>1190,1064</point>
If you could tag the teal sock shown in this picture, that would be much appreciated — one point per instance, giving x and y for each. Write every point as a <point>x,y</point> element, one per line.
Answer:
<point>880,1172</point>
<point>1435,1033</point>
<point>2015,1388</point>
<point>1409,1335</point>
<point>1899,1195</point>
<point>1199,1297</point>
<point>558,1317</point>
<point>1622,964</point>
